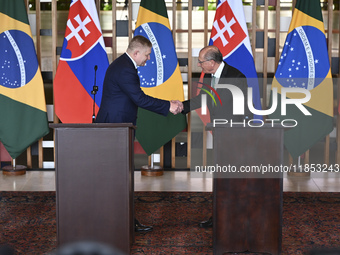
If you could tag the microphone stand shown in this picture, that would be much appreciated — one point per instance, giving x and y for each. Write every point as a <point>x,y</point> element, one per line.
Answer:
<point>94,92</point>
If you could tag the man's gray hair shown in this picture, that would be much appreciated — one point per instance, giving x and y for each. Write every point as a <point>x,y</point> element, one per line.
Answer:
<point>213,53</point>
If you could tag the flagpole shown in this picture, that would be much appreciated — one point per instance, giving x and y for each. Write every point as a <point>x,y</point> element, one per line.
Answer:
<point>299,170</point>
<point>152,170</point>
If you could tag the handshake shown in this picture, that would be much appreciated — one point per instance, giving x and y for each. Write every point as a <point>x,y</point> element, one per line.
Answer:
<point>176,106</point>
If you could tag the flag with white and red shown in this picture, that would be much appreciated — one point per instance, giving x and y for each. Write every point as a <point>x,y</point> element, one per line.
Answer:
<point>229,33</point>
<point>83,59</point>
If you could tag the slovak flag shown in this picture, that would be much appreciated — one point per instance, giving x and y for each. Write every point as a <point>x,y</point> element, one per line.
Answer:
<point>230,34</point>
<point>83,63</point>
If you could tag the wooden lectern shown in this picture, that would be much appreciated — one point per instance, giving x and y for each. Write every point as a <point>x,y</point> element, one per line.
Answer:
<point>247,207</point>
<point>95,183</point>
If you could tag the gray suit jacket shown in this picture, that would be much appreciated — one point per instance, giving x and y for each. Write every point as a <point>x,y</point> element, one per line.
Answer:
<point>229,75</point>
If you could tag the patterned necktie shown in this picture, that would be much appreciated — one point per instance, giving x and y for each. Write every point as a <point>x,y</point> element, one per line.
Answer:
<point>213,81</point>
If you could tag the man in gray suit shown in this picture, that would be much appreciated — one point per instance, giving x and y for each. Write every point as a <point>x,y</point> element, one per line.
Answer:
<point>217,71</point>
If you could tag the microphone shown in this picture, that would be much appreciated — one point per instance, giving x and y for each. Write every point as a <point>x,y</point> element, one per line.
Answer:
<point>94,92</point>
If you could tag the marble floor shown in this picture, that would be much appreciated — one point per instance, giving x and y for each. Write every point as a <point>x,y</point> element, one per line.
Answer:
<point>172,181</point>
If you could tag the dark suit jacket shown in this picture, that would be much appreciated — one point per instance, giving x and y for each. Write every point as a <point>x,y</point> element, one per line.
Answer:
<point>122,94</point>
<point>229,75</point>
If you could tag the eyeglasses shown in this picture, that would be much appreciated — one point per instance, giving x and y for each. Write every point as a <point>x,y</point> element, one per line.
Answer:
<point>200,62</point>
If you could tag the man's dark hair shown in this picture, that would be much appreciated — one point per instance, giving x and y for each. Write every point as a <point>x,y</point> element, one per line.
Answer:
<point>139,41</point>
<point>87,248</point>
<point>213,53</point>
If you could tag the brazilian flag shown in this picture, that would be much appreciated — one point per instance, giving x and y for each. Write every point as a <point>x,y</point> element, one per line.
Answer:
<point>22,99</point>
<point>160,77</point>
<point>304,63</point>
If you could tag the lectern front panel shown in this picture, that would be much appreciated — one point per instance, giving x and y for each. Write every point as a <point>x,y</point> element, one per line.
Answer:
<point>247,208</point>
<point>94,184</point>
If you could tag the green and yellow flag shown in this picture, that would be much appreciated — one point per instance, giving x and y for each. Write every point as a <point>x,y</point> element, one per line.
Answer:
<point>160,77</point>
<point>304,63</point>
<point>22,99</point>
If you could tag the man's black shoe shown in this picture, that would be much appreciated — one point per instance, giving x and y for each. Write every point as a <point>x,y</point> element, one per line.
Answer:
<point>139,227</point>
<point>206,224</point>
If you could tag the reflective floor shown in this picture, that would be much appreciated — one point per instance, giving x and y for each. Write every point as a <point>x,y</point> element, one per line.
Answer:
<point>172,181</point>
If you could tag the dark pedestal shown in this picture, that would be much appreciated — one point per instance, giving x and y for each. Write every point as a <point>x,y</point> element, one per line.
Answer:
<point>247,210</point>
<point>95,183</point>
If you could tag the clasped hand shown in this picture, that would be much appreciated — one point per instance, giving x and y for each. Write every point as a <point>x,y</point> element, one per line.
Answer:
<point>176,106</point>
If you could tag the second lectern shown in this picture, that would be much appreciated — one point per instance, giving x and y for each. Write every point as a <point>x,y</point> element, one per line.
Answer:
<point>94,183</point>
<point>247,204</point>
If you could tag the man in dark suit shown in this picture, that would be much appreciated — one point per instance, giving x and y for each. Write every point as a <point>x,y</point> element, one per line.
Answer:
<point>122,94</point>
<point>217,71</point>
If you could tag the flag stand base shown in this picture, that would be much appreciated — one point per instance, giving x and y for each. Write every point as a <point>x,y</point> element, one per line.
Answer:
<point>152,171</point>
<point>299,173</point>
<point>18,170</point>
